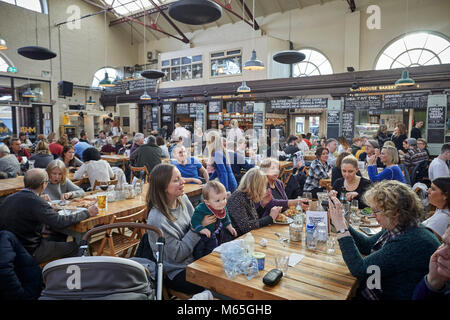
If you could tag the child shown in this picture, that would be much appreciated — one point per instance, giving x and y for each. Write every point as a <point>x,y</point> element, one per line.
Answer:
<point>215,200</point>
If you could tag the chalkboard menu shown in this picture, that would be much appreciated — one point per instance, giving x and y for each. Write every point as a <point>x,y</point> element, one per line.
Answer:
<point>313,103</point>
<point>155,118</point>
<point>348,124</point>
<point>248,107</point>
<point>333,121</point>
<point>415,100</point>
<point>362,102</point>
<point>215,106</point>
<point>166,108</point>
<point>234,106</point>
<point>182,108</point>
<point>284,104</point>
<point>133,85</point>
<point>436,117</point>
<point>333,117</point>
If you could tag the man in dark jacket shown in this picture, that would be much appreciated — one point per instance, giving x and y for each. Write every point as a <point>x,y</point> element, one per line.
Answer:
<point>25,213</point>
<point>416,133</point>
<point>148,155</point>
<point>292,145</point>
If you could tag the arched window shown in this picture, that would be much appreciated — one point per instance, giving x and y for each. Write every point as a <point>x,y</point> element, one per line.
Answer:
<point>315,64</point>
<point>35,5</point>
<point>4,64</point>
<point>100,75</point>
<point>413,50</point>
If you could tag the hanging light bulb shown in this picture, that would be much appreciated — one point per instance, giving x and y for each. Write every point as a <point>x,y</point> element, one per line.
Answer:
<point>243,88</point>
<point>145,96</point>
<point>253,64</point>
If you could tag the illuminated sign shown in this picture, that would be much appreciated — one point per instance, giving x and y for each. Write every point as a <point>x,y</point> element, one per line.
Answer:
<point>28,129</point>
<point>12,69</point>
<point>377,88</point>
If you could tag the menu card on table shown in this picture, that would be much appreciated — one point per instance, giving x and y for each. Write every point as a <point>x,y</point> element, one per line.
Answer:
<point>314,217</point>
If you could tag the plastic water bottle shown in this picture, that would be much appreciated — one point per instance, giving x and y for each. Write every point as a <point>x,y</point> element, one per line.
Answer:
<point>249,243</point>
<point>311,238</point>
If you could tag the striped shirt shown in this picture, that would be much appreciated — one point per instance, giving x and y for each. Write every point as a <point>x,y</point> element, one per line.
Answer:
<point>317,171</point>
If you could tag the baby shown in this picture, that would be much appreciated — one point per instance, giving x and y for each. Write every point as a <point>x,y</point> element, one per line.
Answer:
<point>215,201</point>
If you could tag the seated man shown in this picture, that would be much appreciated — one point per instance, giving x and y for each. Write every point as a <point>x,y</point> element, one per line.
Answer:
<point>413,155</point>
<point>148,155</point>
<point>17,149</point>
<point>292,146</point>
<point>9,166</point>
<point>79,147</point>
<point>25,213</point>
<point>189,167</point>
<point>438,167</point>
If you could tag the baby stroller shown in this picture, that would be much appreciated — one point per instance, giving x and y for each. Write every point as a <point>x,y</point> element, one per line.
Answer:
<point>102,277</point>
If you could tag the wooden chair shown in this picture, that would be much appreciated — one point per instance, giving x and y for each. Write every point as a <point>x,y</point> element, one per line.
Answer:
<point>117,242</point>
<point>98,183</point>
<point>170,294</point>
<point>285,175</point>
<point>136,171</point>
<point>305,170</point>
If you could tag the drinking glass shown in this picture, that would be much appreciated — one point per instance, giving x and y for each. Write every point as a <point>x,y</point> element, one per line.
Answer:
<point>101,203</point>
<point>281,262</point>
<point>354,206</point>
<point>331,244</point>
<point>307,195</point>
<point>355,220</point>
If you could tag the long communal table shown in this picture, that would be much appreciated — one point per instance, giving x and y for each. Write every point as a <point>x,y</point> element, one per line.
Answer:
<point>318,276</point>
<point>11,185</point>
<point>114,158</point>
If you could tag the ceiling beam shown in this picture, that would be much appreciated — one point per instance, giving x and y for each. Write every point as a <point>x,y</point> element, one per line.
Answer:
<point>185,40</point>
<point>139,14</point>
<point>352,5</point>
<point>228,7</point>
<point>249,13</point>
<point>299,4</point>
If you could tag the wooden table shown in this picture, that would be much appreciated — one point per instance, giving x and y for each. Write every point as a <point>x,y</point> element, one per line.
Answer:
<point>11,185</point>
<point>318,276</point>
<point>285,164</point>
<point>113,158</point>
<point>325,183</point>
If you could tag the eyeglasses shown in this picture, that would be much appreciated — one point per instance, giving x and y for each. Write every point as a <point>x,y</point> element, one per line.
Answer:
<point>377,212</point>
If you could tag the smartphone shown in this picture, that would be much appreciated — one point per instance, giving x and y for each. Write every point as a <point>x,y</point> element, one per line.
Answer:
<point>367,231</point>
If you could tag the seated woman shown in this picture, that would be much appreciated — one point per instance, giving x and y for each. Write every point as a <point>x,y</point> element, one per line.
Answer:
<point>108,147</point>
<point>95,168</point>
<point>401,251</point>
<point>42,156</point>
<point>122,144</point>
<point>171,211</point>
<point>318,170</point>
<point>218,160</point>
<point>275,189</point>
<point>389,157</point>
<point>59,187</point>
<point>354,185</point>
<point>439,196</point>
<point>189,167</point>
<point>336,171</point>
<point>68,157</point>
<point>241,205</point>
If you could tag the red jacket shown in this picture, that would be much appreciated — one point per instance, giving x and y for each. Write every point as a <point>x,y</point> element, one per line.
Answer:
<point>56,148</point>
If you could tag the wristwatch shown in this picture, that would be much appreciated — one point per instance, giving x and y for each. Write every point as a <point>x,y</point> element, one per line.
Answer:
<point>342,230</point>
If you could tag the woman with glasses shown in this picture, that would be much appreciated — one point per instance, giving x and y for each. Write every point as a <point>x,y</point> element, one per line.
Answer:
<point>319,169</point>
<point>389,157</point>
<point>439,196</point>
<point>423,145</point>
<point>390,263</point>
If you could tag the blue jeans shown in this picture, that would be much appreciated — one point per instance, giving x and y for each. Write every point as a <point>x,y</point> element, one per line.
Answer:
<point>205,246</point>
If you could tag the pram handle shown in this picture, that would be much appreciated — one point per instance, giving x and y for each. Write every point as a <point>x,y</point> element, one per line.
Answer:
<point>121,225</point>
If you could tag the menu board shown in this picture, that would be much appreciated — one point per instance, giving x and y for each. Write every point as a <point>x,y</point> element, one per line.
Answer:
<point>166,108</point>
<point>234,106</point>
<point>333,117</point>
<point>333,121</point>
<point>248,107</point>
<point>415,100</point>
<point>155,118</point>
<point>436,118</point>
<point>313,103</point>
<point>133,85</point>
<point>215,106</point>
<point>352,103</point>
<point>284,104</point>
<point>348,124</point>
<point>182,108</point>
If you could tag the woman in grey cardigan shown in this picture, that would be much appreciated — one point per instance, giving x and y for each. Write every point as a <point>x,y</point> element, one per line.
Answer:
<point>171,211</point>
<point>59,187</point>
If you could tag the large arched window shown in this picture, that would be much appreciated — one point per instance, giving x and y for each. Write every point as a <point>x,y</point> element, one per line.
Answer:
<point>35,5</point>
<point>4,64</point>
<point>315,64</point>
<point>100,75</point>
<point>413,50</point>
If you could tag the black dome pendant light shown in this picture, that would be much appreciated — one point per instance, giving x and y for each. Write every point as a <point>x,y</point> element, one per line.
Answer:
<point>152,74</point>
<point>289,56</point>
<point>195,12</point>
<point>36,52</point>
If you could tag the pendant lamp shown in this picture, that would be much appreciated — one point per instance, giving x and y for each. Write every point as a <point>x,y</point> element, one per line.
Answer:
<point>90,101</point>
<point>36,52</point>
<point>3,45</point>
<point>106,82</point>
<point>289,56</point>
<point>253,64</point>
<point>152,74</point>
<point>195,12</point>
<point>405,80</point>
<point>145,96</point>
<point>28,94</point>
<point>243,88</point>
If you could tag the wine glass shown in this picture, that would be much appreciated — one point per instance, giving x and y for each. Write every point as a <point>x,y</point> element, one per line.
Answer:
<point>354,206</point>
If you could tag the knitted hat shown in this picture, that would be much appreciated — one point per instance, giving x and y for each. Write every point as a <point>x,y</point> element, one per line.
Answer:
<point>411,141</point>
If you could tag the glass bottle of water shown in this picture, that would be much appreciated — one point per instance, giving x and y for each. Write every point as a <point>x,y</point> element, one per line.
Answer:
<point>322,235</point>
<point>311,237</point>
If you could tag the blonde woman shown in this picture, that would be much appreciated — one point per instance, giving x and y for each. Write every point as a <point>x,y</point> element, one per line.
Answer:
<point>401,251</point>
<point>234,133</point>
<point>389,157</point>
<point>241,204</point>
<point>59,187</point>
<point>218,160</point>
<point>42,156</point>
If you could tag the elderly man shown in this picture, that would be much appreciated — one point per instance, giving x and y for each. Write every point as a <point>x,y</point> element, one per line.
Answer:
<point>9,166</point>
<point>413,155</point>
<point>139,139</point>
<point>101,140</point>
<point>371,147</point>
<point>79,147</point>
<point>438,167</point>
<point>189,167</point>
<point>331,146</point>
<point>25,213</point>
<point>17,149</point>
<point>148,155</point>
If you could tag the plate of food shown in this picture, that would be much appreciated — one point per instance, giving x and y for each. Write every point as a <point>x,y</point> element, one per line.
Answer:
<point>366,211</point>
<point>69,211</point>
<point>291,212</point>
<point>83,202</point>
<point>283,219</point>
<point>369,222</point>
